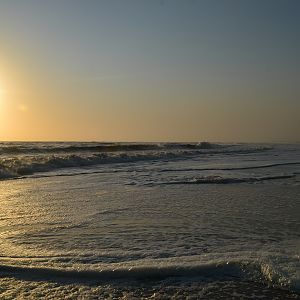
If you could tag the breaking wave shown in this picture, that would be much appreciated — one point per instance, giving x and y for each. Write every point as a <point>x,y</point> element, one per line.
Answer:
<point>34,148</point>
<point>227,270</point>
<point>30,158</point>
<point>16,167</point>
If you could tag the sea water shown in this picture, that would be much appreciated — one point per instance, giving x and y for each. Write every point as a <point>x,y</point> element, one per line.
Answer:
<point>158,221</point>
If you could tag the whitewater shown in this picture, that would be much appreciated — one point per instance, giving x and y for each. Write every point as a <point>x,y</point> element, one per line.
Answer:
<point>149,220</point>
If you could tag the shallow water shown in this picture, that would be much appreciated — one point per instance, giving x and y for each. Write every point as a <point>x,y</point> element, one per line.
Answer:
<point>209,223</point>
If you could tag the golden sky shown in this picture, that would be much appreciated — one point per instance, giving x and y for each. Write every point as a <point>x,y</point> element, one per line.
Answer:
<point>149,71</point>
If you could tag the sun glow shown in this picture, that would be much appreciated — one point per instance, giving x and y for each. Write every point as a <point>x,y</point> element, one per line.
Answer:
<point>2,91</point>
<point>2,114</point>
<point>1,95</point>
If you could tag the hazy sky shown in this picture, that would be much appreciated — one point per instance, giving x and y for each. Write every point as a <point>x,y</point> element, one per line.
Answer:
<point>147,70</point>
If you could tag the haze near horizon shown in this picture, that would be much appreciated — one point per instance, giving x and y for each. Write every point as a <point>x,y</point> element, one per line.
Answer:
<point>150,70</point>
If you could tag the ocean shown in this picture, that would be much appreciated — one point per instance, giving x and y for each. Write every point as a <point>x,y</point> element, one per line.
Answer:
<point>149,221</point>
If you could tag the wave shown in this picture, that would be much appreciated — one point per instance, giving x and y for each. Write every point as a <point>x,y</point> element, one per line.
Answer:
<point>64,147</point>
<point>226,180</point>
<point>77,148</point>
<point>255,271</point>
<point>18,167</point>
<point>24,165</point>
<point>15,167</point>
<point>25,148</point>
<point>232,168</point>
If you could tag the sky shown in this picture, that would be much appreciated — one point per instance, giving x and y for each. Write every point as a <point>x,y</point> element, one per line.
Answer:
<point>150,70</point>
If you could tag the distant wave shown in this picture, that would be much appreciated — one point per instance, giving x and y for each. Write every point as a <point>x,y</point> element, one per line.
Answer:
<point>14,166</point>
<point>36,148</point>
<point>227,270</point>
<point>25,149</point>
<point>226,180</point>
